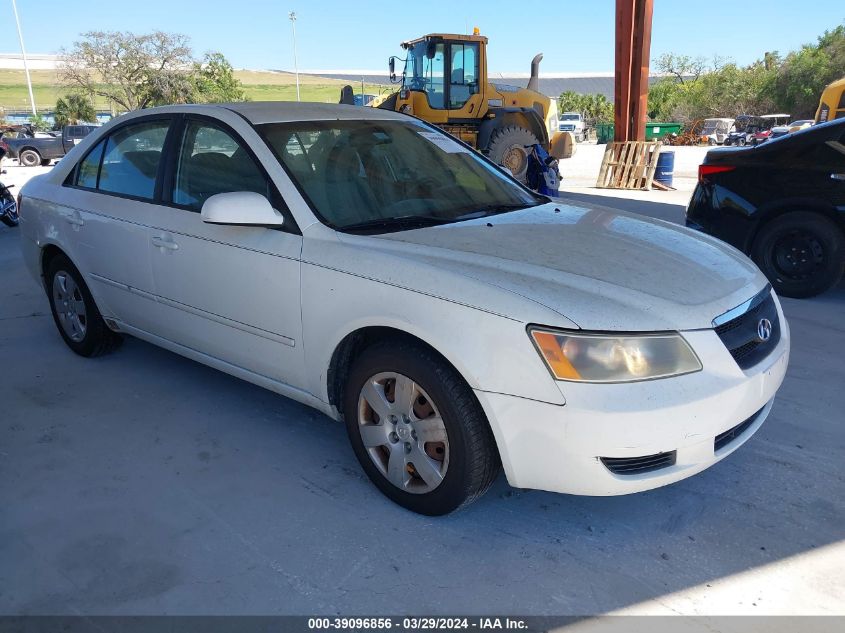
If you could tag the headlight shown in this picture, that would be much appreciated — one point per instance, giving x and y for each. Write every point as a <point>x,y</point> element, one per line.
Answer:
<point>584,357</point>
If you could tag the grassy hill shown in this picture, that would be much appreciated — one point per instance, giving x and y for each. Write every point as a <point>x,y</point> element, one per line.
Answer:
<point>258,85</point>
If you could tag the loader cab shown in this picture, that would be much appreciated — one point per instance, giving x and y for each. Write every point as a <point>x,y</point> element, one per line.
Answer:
<point>444,77</point>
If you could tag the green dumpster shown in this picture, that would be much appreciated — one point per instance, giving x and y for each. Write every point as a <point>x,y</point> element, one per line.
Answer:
<point>653,131</point>
<point>604,133</point>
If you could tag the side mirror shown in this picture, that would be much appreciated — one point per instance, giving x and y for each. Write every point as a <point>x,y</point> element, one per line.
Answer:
<point>430,49</point>
<point>391,64</point>
<point>240,208</point>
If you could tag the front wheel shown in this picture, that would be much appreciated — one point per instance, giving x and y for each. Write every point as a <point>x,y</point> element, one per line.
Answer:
<point>510,147</point>
<point>417,428</point>
<point>76,315</point>
<point>801,253</point>
<point>30,158</point>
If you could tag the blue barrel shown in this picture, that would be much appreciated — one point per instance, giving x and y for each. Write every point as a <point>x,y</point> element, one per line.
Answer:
<point>665,168</point>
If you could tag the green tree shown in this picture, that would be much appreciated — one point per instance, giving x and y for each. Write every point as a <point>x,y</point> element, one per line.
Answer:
<point>40,124</point>
<point>215,82</point>
<point>73,109</point>
<point>131,71</point>
<point>595,108</point>
<point>663,96</point>
<point>805,72</point>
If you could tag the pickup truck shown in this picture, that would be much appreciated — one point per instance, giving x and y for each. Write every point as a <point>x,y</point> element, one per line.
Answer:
<point>40,151</point>
<point>574,122</point>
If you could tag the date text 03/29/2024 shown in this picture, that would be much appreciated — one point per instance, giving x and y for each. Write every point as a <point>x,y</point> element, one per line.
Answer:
<point>418,623</point>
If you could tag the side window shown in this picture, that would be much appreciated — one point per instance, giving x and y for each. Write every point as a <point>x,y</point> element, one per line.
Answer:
<point>131,159</point>
<point>212,162</point>
<point>89,168</point>
<point>464,78</point>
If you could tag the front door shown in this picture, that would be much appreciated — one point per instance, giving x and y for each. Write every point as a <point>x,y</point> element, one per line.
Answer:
<point>465,88</point>
<point>231,292</point>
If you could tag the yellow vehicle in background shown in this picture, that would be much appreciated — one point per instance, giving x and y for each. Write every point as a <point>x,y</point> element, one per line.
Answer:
<point>445,82</point>
<point>832,103</point>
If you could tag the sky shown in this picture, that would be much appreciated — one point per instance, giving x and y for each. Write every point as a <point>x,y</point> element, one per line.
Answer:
<point>575,36</point>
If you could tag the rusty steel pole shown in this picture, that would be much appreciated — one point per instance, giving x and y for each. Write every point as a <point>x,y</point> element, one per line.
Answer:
<point>633,43</point>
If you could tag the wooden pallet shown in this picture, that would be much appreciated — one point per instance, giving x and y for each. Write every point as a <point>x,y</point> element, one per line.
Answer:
<point>629,165</point>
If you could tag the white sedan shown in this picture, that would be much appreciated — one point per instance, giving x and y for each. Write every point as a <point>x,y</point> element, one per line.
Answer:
<point>366,264</point>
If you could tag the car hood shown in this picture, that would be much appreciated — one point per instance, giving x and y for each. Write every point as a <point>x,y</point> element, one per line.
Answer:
<point>601,269</point>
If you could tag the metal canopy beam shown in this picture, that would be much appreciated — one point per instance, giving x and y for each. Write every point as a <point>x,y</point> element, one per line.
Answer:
<point>633,43</point>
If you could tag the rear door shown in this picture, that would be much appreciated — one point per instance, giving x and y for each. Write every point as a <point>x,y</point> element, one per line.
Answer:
<point>231,292</point>
<point>108,205</point>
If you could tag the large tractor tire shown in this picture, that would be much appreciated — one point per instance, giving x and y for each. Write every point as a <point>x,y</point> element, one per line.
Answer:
<point>510,147</point>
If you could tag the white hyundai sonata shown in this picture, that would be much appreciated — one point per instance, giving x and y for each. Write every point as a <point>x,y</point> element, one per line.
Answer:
<point>370,266</point>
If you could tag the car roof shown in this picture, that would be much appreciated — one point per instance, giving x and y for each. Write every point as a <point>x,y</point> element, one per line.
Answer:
<point>258,112</point>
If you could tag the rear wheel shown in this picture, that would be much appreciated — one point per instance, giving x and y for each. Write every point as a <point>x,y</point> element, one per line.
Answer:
<point>802,253</point>
<point>45,162</point>
<point>74,311</point>
<point>510,147</point>
<point>417,428</point>
<point>30,158</point>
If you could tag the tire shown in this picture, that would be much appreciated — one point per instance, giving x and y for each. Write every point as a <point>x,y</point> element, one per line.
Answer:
<point>45,162</point>
<point>76,315</point>
<point>30,158</point>
<point>742,141</point>
<point>802,253</point>
<point>711,142</point>
<point>460,459</point>
<point>507,148</point>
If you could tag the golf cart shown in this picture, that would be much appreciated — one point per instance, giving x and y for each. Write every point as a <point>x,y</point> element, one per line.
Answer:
<point>745,127</point>
<point>715,131</point>
<point>770,121</point>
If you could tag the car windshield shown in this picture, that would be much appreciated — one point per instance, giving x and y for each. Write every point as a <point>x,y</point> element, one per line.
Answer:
<point>378,176</point>
<point>570,117</point>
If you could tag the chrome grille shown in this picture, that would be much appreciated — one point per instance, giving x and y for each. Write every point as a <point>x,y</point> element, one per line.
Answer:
<point>737,329</point>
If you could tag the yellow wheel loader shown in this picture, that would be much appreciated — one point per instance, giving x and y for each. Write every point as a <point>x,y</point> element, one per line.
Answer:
<point>444,82</point>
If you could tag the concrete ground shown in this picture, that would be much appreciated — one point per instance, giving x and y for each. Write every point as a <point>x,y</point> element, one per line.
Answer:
<point>144,483</point>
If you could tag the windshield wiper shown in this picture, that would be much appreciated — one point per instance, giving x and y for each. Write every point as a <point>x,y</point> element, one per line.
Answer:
<point>494,209</point>
<point>396,224</point>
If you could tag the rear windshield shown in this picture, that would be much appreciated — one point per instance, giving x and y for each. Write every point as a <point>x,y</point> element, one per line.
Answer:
<point>355,172</point>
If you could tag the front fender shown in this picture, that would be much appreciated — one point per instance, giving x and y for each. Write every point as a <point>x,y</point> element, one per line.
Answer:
<point>492,352</point>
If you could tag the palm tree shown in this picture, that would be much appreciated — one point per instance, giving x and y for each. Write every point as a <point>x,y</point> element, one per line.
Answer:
<point>73,109</point>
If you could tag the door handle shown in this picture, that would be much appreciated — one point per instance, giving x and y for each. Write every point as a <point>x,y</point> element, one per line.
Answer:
<point>163,242</point>
<point>838,176</point>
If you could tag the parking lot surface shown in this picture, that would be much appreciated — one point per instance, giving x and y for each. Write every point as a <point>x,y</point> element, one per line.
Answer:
<point>144,483</point>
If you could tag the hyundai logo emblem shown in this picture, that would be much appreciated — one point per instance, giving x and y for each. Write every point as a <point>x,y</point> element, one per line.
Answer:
<point>764,330</point>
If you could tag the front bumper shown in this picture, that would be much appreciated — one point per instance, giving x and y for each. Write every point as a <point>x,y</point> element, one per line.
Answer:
<point>559,448</point>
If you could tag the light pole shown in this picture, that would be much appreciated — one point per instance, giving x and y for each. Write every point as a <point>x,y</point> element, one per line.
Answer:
<point>25,63</point>
<point>292,16</point>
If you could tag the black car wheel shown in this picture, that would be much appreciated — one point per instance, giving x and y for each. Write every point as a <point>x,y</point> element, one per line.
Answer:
<point>802,253</point>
